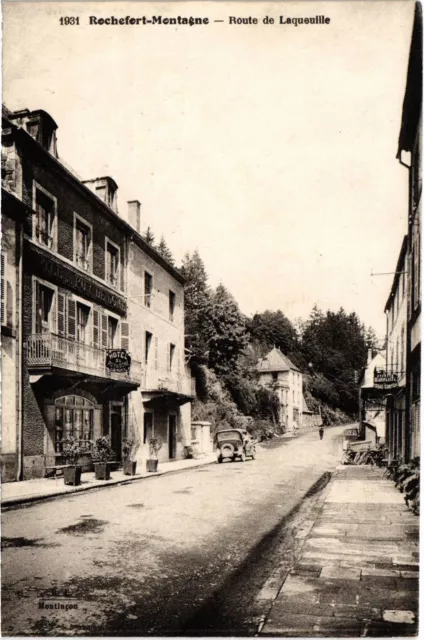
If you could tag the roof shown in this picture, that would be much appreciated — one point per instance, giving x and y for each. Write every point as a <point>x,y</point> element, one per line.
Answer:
<point>60,166</point>
<point>399,269</point>
<point>411,111</point>
<point>276,361</point>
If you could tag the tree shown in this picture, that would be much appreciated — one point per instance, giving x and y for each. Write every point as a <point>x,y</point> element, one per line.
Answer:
<point>274,329</point>
<point>228,337</point>
<point>149,237</point>
<point>197,305</point>
<point>165,252</point>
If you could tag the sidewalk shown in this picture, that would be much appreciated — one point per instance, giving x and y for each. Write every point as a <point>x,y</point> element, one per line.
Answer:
<point>16,493</point>
<point>356,567</point>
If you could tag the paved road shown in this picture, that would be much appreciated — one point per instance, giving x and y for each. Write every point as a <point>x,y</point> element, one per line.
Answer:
<point>143,558</point>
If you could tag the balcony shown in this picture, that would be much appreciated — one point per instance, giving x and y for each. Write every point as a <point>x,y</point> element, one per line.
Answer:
<point>48,351</point>
<point>162,383</point>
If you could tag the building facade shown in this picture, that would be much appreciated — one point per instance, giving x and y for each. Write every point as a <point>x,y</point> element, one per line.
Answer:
<point>156,319</point>
<point>372,404</point>
<point>277,373</point>
<point>394,383</point>
<point>96,315</point>
<point>12,219</point>
<point>410,156</point>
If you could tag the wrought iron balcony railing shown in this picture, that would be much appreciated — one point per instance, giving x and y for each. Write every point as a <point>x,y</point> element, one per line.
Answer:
<point>49,349</point>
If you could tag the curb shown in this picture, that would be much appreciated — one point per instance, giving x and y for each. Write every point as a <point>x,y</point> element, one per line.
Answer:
<point>27,501</point>
<point>191,624</point>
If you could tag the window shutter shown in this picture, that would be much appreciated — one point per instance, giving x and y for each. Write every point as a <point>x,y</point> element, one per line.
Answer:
<point>3,288</point>
<point>178,361</point>
<point>72,318</point>
<point>104,331</point>
<point>125,336</point>
<point>96,328</point>
<point>156,353</point>
<point>61,314</point>
<point>53,313</point>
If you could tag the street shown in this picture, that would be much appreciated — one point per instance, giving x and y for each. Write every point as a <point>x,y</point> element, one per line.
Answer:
<point>144,558</point>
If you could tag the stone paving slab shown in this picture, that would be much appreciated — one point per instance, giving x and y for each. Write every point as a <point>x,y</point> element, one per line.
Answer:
<point>357,571</point>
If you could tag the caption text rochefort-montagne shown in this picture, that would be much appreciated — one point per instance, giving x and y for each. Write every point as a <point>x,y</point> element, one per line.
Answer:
<point>190,21</point>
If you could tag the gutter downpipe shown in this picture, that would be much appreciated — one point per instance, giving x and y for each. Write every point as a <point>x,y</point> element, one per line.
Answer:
<point>19,437</point>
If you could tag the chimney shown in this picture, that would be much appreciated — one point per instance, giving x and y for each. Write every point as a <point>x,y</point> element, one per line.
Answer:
<point>134,214</point>
<point>105,188</point>
<point>40,126</point>
<point>369,356</point>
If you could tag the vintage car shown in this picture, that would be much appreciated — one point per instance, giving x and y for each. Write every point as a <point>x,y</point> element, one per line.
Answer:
<point>234,443</point>
<point>349,435</point>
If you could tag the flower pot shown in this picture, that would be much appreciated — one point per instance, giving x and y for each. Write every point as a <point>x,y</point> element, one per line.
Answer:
<point>151,465</point>
<point>72,475</point>
<point>102,471</point>
<point>129,468</point>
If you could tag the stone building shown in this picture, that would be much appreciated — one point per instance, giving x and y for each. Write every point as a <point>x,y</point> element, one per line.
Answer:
<point>100,313</point>
<point>372,406</point>
<point>277,373</point>
<point>410,156</point>
<point>156,320</point>
<point>393,384</point>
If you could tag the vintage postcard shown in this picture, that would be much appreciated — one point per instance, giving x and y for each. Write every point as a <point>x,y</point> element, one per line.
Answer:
<point>211,318</point>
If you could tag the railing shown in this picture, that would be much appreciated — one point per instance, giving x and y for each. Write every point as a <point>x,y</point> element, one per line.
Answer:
<point>48,349</point>
<point>156,380</point>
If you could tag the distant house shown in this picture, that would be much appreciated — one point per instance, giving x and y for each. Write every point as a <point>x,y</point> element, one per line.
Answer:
<point>278,373</point>
<point>372,407</point>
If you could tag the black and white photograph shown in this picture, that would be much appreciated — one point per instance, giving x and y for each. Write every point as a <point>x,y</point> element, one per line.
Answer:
<point>211,318</point>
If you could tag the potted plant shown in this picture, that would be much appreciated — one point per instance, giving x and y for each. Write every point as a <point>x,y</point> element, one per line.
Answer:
<point>71,453</point>
<point>155,444</point>
<point>102,454</point>
<point>128,451</point>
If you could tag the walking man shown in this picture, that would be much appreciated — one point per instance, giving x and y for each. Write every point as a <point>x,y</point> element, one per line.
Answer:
<point>321,433</point>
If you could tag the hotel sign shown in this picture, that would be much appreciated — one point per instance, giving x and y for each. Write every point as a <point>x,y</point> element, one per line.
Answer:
<point>385,379</point>
<point>80,283</point>
<point>118,360</point>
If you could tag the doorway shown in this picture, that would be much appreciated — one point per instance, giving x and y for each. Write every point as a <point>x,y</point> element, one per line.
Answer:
<point>116,430</point>
<point>172,436</point>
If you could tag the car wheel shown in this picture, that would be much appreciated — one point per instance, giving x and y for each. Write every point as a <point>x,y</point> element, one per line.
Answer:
<point>220,459</point>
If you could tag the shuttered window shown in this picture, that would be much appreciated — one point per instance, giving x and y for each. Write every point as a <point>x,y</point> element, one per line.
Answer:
<point>96,328</point>
<point>104,331</point>
<point>61,313</point>
<point>125,336</point>
<point>72,325</point>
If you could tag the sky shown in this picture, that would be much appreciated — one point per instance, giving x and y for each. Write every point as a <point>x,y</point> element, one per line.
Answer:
<point>269,148</point>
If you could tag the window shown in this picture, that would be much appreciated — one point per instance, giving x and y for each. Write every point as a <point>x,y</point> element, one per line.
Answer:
<point>171,305</point>
<point>44,309</point>
<point>148,288</point>
<point>148,345</point>
<point>112,333</point>
<point>112,264</point>
<point>171,356</point>
<point>275,376</point>
<point>82,244</point>
<point>83,319</point>
<point>73,418</point>
<point>45,218</point>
